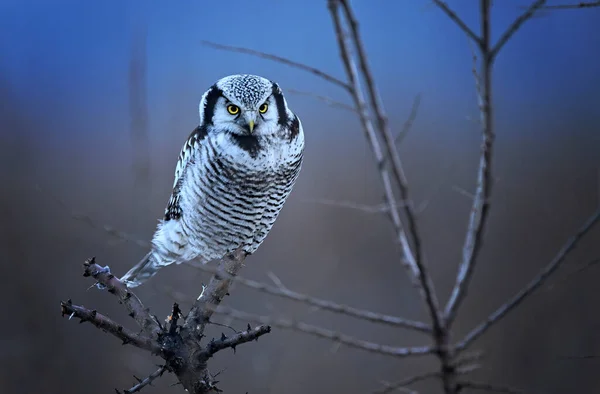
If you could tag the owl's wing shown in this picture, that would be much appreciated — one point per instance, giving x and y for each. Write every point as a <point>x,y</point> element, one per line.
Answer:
<point>173,210</point>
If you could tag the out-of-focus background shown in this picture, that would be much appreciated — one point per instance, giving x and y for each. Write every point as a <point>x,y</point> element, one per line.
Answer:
<point>67,137</point>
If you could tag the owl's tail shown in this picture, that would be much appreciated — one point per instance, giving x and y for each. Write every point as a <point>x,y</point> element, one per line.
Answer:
<point>144,270</point>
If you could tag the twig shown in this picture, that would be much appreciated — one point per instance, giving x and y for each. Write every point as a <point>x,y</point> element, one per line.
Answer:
<point>145,382</point>
<point>325,333</point>
<point>282,291</point>
<point>133,304</point>
<point>456,19</point>
<point>516,25</point>
<point>480,208</point>
<point>378,208</point>
<point>488,387</point>
<point>251,334</point>
<point>411,119</point>
<point>590,4</point>
<point>108,325</point>
<point>279,59</point>
<point>536,282</point>
<point>389,388</point>
<point>329,101</point>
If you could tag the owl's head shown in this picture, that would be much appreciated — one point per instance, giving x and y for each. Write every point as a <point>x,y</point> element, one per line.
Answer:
<point>244,105</point>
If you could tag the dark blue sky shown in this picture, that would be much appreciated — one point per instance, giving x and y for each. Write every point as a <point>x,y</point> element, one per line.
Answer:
<point>75,53</point>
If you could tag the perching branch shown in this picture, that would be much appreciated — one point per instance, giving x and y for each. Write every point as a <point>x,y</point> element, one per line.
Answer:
<point>106,324</point>
<point>575,6</point>
<point>179,345</point>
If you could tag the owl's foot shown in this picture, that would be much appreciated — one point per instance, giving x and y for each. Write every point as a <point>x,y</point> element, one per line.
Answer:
<point>103,270</point>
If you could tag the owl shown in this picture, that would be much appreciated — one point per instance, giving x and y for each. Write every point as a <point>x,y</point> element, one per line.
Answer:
<point>234,174</point>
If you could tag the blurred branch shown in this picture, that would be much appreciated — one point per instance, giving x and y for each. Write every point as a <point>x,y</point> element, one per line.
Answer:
<point>516,25</point>
<point>278,59</point>
<point>456,19</point>
<point>480,208</point>
<point>329,101</point>
<point>411,119</point>
<point>391,387</point>
<point>488,387</point>
<point>325,333</point>
<point>574,6</point>
<point>281,291</point>
<point>536,282</point>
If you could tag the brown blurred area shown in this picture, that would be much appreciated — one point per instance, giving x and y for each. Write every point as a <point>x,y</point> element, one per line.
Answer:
<point>545,189</point>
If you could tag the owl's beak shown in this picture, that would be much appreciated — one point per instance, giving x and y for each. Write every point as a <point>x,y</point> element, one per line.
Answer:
<point>250,118</point>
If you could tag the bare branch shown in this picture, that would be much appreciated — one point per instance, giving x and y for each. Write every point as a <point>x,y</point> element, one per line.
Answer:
<point>279,59</point>
<point>480,209</point>
<point>325,333</point>
<point>536,282</point>
<point>516,25</point>
<point>136,309</point>
<point>214,292</point>
<point>379,208</point>
<point>426,284</point>
<point>389,388</point>
<point>329,101</point>
<point>108,325</point>
<point>411,119</point>
<point>251,334</point>
<point>456,19</point>
<point>488,387</point>
<point>359,102</point>
<point>145,382</point>
<point>331,306</point>
<point>575,6</point>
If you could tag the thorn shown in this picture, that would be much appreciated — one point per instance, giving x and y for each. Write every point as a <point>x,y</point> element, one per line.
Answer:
<point>233,347</point>
<point>138,379</point>
<point>223,336</point>
<point>127,296</point>
<point>132,314</point>
<point>249,328</point>
<point>125,342</point>
<point>69,302</point>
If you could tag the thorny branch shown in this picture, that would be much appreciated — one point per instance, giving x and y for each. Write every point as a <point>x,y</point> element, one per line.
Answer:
<point>144,382</point>
<point>179,345</point>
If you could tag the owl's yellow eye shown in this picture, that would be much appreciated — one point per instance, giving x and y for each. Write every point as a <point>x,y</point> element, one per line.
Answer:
<point>233,109</point>
<point>263,108</point>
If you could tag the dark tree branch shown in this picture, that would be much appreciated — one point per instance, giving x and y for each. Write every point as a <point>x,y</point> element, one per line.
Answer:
<point>516,25</point>
<point>575,6</point>
<point>411,119</point>
<point>251,334</point>
<point>178,345</point>
<point>535,283</point>
<point>136,309</point>
<point>108,325</point>
<point>456,19</point>
<point>145,382</point>
<point>279,59</point>
<point>213,294</point>
<point>390,388</point>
